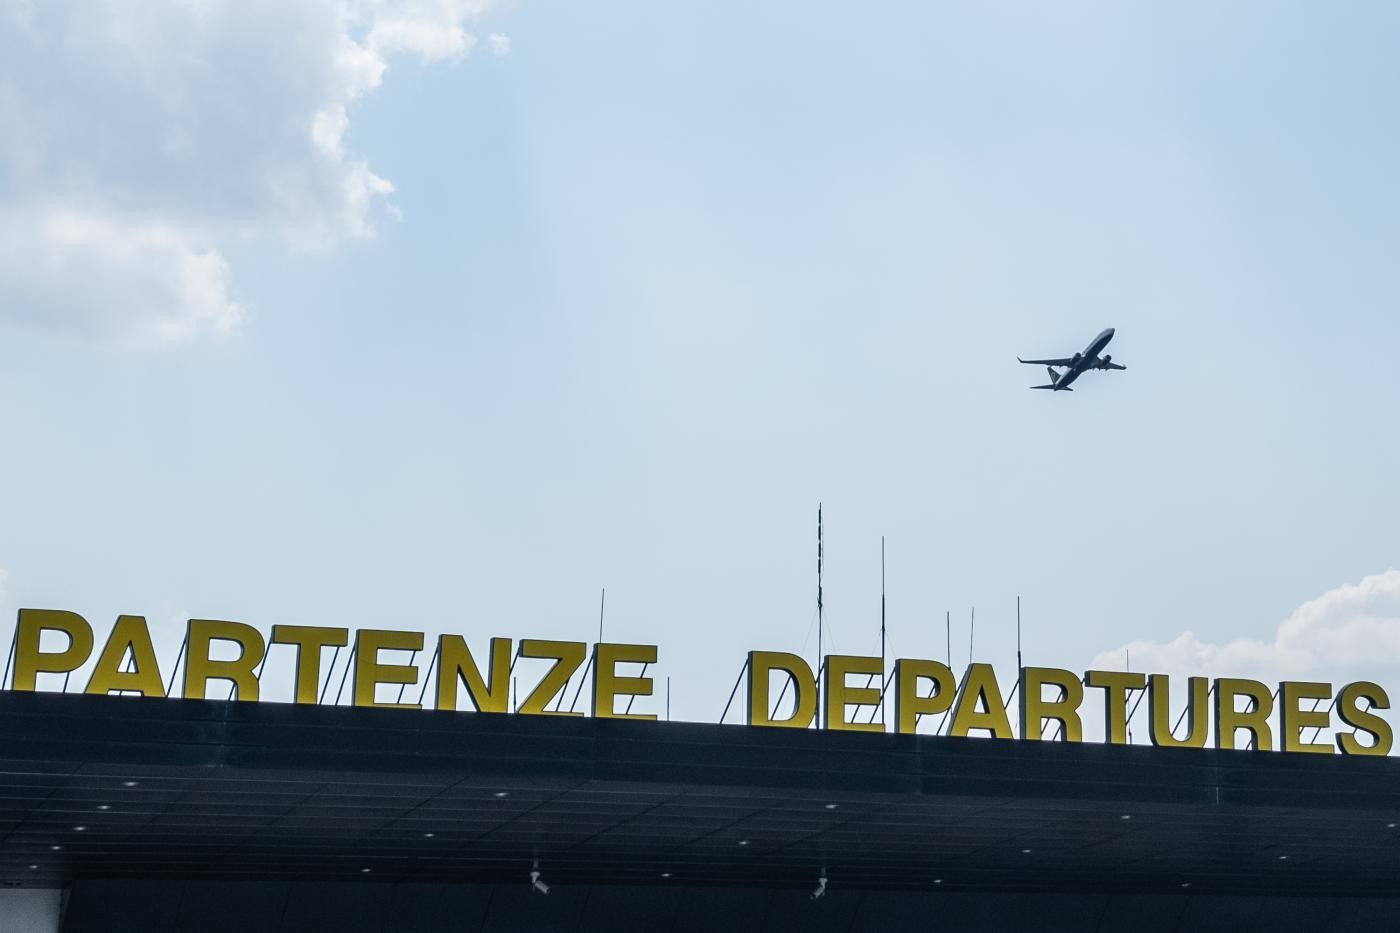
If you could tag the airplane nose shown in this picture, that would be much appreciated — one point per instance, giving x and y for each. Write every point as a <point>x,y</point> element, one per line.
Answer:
<point>1109,332</point>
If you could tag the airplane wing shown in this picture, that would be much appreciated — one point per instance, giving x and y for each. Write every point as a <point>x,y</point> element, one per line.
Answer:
<point>1110,365</point>
<point>1068,362</point>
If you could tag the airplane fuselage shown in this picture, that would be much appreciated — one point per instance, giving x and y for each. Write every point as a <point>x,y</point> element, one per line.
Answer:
<point>1085,361</point>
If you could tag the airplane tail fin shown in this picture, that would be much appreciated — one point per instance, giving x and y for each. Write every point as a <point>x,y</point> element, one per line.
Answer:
<point>1054,376</point>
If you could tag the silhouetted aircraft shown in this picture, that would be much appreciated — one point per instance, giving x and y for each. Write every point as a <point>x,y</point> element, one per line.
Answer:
<point>1078,364</point>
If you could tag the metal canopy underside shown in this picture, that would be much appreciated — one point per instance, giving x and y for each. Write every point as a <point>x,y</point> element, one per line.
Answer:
<point>274,791</point>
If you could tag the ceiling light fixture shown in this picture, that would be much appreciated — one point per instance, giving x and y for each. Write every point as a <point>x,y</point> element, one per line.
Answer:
<point>537,882</point>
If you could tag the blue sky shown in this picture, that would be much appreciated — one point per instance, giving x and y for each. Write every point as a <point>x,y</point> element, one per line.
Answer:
<point>654,279</point>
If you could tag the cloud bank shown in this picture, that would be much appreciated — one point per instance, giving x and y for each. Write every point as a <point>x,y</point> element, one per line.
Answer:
<point>1351,631</point>
<point>137,141</point>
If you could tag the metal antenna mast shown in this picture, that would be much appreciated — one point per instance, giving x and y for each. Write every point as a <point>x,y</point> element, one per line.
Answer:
<point>1018,636</point>
<point>882,626</point>
<point>948,634</point>
<point>819,600</point>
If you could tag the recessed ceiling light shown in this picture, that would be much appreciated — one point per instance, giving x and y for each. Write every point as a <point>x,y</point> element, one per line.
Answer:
<point>1283,858</point>
<point>743,842</point>
<point>665,874</point>
<point>1389,825</point>
<point>1025,851</point>
<point>55,848</point>
<point>502,793</point>
<point>104,806</point>
<point>32,867</point>
<point>832,806</point>
<point>130,783</point>
<point>1186,884</point>
<point>1126,816</point>
<point>79,829</point>
<point>937,880</point>
<point>429,835</point>
<point>366,871</point>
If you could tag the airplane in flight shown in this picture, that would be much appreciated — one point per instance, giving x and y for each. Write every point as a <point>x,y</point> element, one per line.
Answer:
<point>1078,364</point>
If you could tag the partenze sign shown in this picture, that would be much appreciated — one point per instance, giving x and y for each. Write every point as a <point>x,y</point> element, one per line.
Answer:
<point>1238,713</point>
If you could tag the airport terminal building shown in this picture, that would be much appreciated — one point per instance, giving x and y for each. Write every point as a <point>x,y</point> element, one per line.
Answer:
<point>165,810</point>
<point>150,815</point>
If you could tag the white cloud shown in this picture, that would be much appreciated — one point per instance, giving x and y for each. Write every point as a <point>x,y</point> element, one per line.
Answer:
<point>1351,631</point>
<point>168,289</point>
<point>139,141</point>
<point>500,44</point>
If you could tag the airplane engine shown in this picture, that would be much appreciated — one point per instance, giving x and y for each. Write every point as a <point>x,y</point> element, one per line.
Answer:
<point>1103,363</point>
<point>1077,358</point>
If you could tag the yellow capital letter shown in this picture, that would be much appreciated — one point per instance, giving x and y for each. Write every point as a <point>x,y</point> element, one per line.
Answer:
<point>1115,686</point>
<point>130,633</point>
<point>369,673</point>
<point>1159,709</point>
<point>980,687</point>
<point>1036,710</point>
<point>456,664</point>
<point>1255,717</point>
<point>1292,718</point>
<point>804,685</point>
<point>567,656</point>
<point>200,668</point>
<point>840,694</point>
<point>909,705</point>
<point>309,639</point>
<point>30,661</point>
<point>1351,713</point>
<point>608,685</point>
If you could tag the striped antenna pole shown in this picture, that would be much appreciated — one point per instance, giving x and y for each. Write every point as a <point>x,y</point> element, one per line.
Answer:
<point>819,605</point>
<point>882,626</point>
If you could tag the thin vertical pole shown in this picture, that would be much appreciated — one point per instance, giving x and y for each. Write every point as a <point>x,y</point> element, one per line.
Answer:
<point>1127,666</point>
<point>1018,637</point>
<point>819,605</point>
<point>948,634</point>
<point>175,671</point>
<point>882,625</point>
<point>14,642</point>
